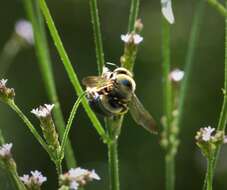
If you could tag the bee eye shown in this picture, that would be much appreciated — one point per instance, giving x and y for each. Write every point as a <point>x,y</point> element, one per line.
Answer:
<point>127,83</point>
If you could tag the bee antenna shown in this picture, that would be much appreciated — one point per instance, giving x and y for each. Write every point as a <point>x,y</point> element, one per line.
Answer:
<point>112,64</point>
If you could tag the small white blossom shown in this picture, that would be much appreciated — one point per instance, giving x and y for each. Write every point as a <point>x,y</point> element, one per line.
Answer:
<point>94,175</point>
<point>167,10</point>
<point>36,179</point>
<point>3,82</point>
<point>177,75</point>
<point>74,185</point>
<point>43,111</point>
<point>24,29</point>
<point>132,38</point>
<point>77,177</point>
<point>5,150</point>
<point>207,133</point>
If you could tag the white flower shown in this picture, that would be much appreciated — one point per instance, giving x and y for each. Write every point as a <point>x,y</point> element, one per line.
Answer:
<point>167,10</point>
<point>177,75</point>
<point>207,133</point>
<point>77,172</point>
<point>132,38</point>
<point>3,82</point>
<point>74,185</point>
<point>94,175</point>
<point>77,177</point>
<point>38,177</point>
<point>25,179</point>
<point>43,111</point>
<point>24,29</point>
<point>5,150</point>
<point>35,179</point>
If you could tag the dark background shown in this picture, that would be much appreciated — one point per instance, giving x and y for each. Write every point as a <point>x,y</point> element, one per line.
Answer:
<point>141,157</point>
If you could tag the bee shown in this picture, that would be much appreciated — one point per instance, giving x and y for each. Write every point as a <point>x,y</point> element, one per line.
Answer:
<point>113,94</point>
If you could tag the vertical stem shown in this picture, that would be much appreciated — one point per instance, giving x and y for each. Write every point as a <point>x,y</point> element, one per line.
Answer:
<point>2,140</point>
<point>69,68</point>
<point>113,165</point>
<point>209,174</point>
<point>113,127</point>
<point>45,64</point>
<point>167,95</point>
<point>195,30</point>
<point>133,15</point>
<point>97,35</point>
<point>223,114</point>
<point>9,52</point>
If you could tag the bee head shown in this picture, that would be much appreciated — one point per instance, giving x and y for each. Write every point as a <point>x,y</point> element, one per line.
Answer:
<point>125,83</point>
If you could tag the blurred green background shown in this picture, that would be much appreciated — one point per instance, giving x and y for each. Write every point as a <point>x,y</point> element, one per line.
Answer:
<point>141,158</point>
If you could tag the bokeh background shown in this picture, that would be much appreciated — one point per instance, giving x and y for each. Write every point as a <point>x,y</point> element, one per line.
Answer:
<point>140,154</point>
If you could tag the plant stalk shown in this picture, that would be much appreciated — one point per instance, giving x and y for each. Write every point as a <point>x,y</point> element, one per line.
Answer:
<point>97,35</point>
<point>168,107</point>
<point>209,174</point>
<point>44,61</point>
<point>29,125</point>
<point>218,6</point>
<point>69,69</point>
<point>133,15</point>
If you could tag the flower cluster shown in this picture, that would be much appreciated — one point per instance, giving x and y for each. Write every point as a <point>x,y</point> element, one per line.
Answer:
<point>76,178</point>
<point>6,93</point>
<point>34,181</point>
<point>5,151</point>
<point>208,140</point>
<point>132,38</point>
<point>43,113</point>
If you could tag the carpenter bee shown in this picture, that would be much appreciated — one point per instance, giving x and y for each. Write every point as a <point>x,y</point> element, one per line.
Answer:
<point>113,93</point>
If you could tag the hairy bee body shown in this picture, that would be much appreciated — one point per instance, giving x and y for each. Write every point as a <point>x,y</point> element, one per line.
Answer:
<point>113,93</point>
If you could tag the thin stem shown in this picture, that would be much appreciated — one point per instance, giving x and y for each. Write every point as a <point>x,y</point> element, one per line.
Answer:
<point>223,115</point>
<point>10,167</point>
<point>113,127</point>
<point>69,68</point>
<point>133,15</point>
<point>9,52</point>
<point>195,30</point>
<point>113,165</point>
<point>218,6</point>
<point>2,140</point>
<point>97,35</point>
<point>209,174</point>
<point>167,96</point>
<point>29,125</point>
<point>69,124</point>
<point>45,65</point>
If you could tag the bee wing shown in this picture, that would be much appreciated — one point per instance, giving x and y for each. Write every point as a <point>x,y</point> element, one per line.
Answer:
<point>141,115</point>
<point>96,81</point>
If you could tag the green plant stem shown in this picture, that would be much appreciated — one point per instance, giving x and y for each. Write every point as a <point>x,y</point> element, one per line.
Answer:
<point>113,127</point>
<point>10,167</point>
<point>69,124</point>
<point>113,165</point>
<point>167,96</point>
<point>45,65</point>
<point>209,174</point>
<point>2,140</point>
<point>97,35</point>
<point>223,114</point>
<point>218,6</point>
<point>195,30</point>
<point>133,15</point>
<point>69,69</point>
<point>29,125</point>
<point>9,52</point>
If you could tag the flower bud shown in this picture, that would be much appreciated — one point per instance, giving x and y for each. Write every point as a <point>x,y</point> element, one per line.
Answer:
<point>6,93</point>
